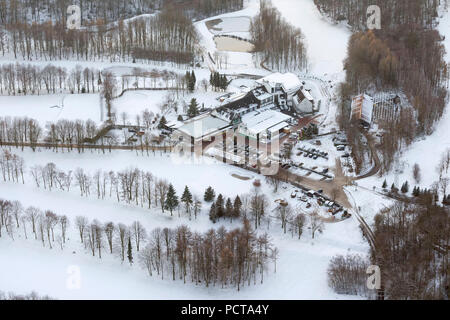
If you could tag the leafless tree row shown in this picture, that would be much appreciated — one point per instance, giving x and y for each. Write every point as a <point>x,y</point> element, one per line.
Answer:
<point>95,11</point>
<point>280,43</point>
<point>21,130</point>
<point>47,227</point>
<point>217,257</point>
<point>12,166</point>
<point>347,275</point>
<point>26,79</point>
<point>394,13</point>
<point>169,32</point>
<point>29,297</point>
<point>131,186</point>
<point>412,244</point>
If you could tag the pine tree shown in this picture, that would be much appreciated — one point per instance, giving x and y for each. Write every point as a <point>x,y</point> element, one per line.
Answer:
<point>171,199</point>
<point>229,209</point>
<point>193,108</point>
<point>405,187</point>
<point>212,213</point>
<point>220,210</point>
<point>162,123</point>
<point>237,205</point>
<point>186,198</point>
<point>191,81</point>
<point>384,186</point>
<point>209,194</point>
<point>223,82</point>
<point>129,251</point>
<point>393,188</point>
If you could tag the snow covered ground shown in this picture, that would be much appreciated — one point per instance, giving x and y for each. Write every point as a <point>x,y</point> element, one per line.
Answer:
<point>50,108</point>
<point>301,268</point>
<point>302,265</point>
<point>326,43</point>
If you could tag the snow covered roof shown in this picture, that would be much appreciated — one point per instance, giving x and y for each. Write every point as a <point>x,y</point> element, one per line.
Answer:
<point>278,127</point>
<point>260,122</point>
<point>203,126</point>
<point>362,107</point>
<point>307,95</point>
<point>289,81</point>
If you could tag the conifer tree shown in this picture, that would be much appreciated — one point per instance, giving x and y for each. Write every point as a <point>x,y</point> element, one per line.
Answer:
<point>213,213</point>
<point>209,194</point>
<point>405,187</point>
<point>237,205</point>
<point>171,200</point>
<point>393,188</point>
<point>186,198</point>
<point>193,108</point>
<point>220,210</point>
<point>229,209</point>
<point>162,122</point>
<point>192,81</point>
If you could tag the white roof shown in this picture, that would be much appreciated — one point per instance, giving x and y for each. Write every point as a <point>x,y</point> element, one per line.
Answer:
<point>263,96</point>
<point>257,123</point>
<point>289,81</point>
<point>307,95</point>
<point>203,126</point>
<point>278,127</point>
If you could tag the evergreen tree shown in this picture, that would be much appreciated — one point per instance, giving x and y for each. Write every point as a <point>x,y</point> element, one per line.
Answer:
<point>193,108</point>
<point>229,209</point>
<point>237,205</point>
<point>405,187</point>
<point>209,194</point>
<point>220,210</point>
<point>212,213</point>
<point>130,251</point>
<point>186,198</point>
<point>171,199</point>
<point>384,186</point>
<point>162,122</point>
<point>191,81</point>
<point>223,82</point>
<point>393,188</point>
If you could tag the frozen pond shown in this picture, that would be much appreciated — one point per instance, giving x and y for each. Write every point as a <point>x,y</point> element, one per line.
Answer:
<point>229,25</point>
<point>233,44</point>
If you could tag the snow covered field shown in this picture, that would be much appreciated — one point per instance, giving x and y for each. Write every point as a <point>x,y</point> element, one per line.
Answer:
<point>301,268</point>
<point>50,108</point>
<point>326,43</point>
<point>302,265</point>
